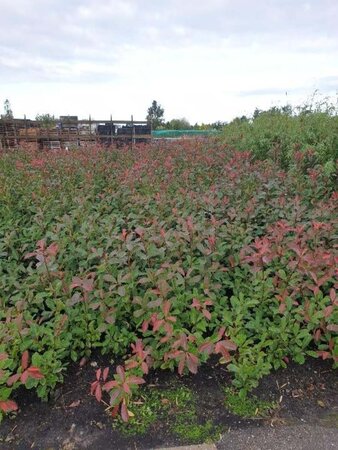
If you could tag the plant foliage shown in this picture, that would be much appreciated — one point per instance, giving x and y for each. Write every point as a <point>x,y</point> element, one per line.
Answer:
<point>164,255</point>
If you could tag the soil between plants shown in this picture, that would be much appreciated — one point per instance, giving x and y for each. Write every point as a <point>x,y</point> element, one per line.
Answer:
<point>75,420</point>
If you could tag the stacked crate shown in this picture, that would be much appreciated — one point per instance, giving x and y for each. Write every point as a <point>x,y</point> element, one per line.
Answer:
<point>106,133</point>
<point>8,134</point>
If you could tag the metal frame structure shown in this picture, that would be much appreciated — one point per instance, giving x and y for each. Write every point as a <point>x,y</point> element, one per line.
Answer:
<point>72,132</point>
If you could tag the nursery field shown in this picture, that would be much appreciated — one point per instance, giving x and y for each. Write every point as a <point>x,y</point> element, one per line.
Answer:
<point>159,259</point>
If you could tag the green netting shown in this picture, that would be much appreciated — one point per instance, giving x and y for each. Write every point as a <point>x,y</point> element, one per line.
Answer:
<point>179,133</point>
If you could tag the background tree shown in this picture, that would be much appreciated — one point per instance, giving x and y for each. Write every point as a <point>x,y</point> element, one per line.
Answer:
<point>8,111</point>
<point>178,124</point>
<point>155,114</point>
<point>218,125</point>
<point>46,120</point>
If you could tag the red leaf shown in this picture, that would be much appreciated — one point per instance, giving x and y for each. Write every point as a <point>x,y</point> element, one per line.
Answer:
<point>3,356</point>
<point>41,245</point>
<point>34,372</point>
<point>24,360</point>
<point>220,333</point>
<point>135,380</point>
<point>328,311</point>
<point>53,249</point>
<point>13,379</point>
<point>131,364</point>
<point>126,388</point>
<point>166,307</point>
<point>225,344</point>
<point>114,395</point>
<point>175,354</point>
<point>29,255</point>
<point>332,295</point>
<point>110,385</point>
<point>120,371</point>
<point>171,319</point>
<point>93,387</point>
<point>332,327</point>
<point>139,231</point>
<point>88,285</point>
<point>124,413</point>
<point>206,314</point>
<point>98,392</point>
<point>105,373</point>
<point>83,361</point>
<point>24,377</point>
<point>74,404</point>
<point>323,354</point>
<point>145,326</point>
<point>76,282</point>
<point>195,303</point>
<point>192,362</point>
<point>115,411</point>
<point>331,344</point>
<point>98,374</point>
<point>318,334</point>
<point>232,261</point>
<point>282,308</point>
<point>207,347</point>
<point>157,324</point>
<point>144,367</point>
<point>8,406</point>
<point>181,365</point>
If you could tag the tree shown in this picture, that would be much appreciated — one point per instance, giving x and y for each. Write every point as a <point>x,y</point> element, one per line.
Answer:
<point>46,120</point>
<point>155,114</point>
<point>8,111</point>
<point>178,124</point>
<point>256,113</point>
<point>219,125</point>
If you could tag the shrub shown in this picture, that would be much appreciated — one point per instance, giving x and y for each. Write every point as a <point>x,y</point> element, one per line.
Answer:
<point>281,132</point>
<point>162,256</point>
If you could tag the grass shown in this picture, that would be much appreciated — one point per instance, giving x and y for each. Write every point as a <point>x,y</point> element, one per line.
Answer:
<point>177,407</point>
<point>248,406</point>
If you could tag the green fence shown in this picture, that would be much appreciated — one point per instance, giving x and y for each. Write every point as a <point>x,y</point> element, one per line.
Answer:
<point>180,133</point>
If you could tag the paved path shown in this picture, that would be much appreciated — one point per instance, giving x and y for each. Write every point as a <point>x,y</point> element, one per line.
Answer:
<point>297,437</point>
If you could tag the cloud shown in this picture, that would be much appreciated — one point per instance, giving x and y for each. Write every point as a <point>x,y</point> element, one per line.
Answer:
<point>205,59</point>
<point>263,92</point>
<point>329,83</point>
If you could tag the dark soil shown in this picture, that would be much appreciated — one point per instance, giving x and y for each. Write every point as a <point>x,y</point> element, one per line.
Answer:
<point>75,420</point>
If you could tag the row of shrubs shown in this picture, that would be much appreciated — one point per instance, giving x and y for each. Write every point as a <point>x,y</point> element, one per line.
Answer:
<point>161,257</point>
<point>282,133</point>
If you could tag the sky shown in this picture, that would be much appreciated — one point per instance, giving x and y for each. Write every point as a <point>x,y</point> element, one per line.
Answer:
<point>205,60</point>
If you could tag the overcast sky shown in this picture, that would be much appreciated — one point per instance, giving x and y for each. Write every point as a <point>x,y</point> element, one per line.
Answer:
<point>205,60</point>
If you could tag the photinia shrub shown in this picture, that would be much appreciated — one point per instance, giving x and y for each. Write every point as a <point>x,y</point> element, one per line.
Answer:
<point>162,257</point>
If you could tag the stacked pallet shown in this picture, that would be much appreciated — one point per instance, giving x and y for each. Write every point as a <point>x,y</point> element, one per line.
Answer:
<point>69,131</point>
<point>8,134</point>
<point>28,133</point>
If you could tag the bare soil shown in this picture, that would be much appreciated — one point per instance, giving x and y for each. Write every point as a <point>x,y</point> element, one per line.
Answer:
<point>306,394</point>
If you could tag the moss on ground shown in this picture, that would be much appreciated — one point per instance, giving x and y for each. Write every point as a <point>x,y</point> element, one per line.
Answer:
<point>176,407</point>
<point>247,407</point>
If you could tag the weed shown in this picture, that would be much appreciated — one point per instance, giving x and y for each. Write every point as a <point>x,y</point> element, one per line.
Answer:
<point>247,406</point>
<point>177,406</point>
<point>189,430</point>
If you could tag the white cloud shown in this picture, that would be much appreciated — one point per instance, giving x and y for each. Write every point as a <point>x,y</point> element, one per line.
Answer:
<point>202,60</point>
